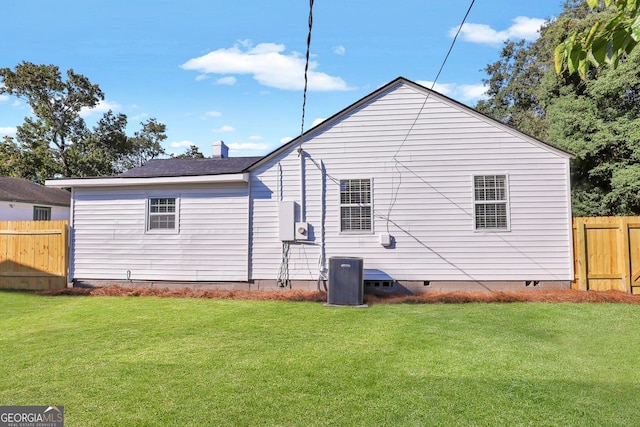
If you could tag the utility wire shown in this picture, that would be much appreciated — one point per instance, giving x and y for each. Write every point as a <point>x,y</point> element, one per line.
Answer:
<point>395,156</point>
<point>433,84</point>
<point>306,66</point>
<point>283,272</point>
<point>453,42</point>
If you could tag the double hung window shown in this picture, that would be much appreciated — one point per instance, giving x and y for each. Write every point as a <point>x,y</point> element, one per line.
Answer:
<point>490,200</point>
<point>162,214</point>
<point>355,205</point>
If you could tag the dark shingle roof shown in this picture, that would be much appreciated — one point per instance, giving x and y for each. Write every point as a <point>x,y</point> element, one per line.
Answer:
<point>190,167</point>
<point>22,190</point>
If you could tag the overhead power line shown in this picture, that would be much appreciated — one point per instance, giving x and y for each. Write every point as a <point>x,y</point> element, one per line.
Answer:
<point>396,190</point>
<point>306,66</point>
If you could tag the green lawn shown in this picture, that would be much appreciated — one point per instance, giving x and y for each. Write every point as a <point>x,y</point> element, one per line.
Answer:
<point>186,362</point>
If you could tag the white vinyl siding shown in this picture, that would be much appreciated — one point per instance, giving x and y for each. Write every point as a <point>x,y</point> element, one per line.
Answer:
<point>110,240</point>
<point>422,170</point>
<point>19,211</point>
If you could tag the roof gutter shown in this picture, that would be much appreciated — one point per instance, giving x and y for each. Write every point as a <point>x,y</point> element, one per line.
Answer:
<point>132,182</point>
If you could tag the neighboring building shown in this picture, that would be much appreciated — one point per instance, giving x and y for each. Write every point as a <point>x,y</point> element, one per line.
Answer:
<point>23,200</point>
<point>429,192</point>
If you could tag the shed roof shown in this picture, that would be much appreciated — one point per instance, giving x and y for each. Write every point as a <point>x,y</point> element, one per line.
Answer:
<point>22,190</point>
<point>190,167</point>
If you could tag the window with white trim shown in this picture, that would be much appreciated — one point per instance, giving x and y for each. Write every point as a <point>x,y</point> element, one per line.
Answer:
<point>490,200</point>
<point>355,205</point>
<point>162,214</point>
<point>41,213</point>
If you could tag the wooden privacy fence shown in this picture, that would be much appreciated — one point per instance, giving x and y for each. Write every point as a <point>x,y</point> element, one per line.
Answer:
<point>607,253</point>
<point>33,254</point>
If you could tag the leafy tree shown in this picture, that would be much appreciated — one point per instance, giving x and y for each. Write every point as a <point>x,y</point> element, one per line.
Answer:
<point>109,151</point>
<point>101,151</point>
<point>56,105</point>
<point>11,156</point>
<point>520,86</point>
<point>193,152</point>
<point>147,143</point>
<point>604,42</point>
<point>56,140</point>
<point>601,126</point>
<point>596,118</point>
<point>512,88</point>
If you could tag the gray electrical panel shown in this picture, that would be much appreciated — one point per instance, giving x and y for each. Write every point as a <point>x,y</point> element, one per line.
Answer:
<point>286,218</point>
<point>346,281</point>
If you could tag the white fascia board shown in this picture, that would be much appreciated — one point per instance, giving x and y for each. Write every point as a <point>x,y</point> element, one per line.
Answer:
<point>127,182</point>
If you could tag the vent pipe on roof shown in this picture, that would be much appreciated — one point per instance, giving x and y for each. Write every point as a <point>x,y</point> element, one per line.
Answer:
<point>219,149</point>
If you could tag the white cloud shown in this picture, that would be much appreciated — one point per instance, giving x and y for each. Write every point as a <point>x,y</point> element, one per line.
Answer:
<point>245,146</point>
<point>255,138</point>
<point>285,139</point>
<point>472,92</point>
<point>201,77</point>
<point>211,114</point>
<point>4,98</point>
<point>224,128</point>
<point>140,116</point>
<point>181,144</point>
<point>317,121</point>
<point>443,88</point>
<point>463,93</point>
<point>339,50</point>
<point>229,81</point>
<point>102,107</point>
<point>523,28</point>
<point>269,66</point>
<point>8,130</point>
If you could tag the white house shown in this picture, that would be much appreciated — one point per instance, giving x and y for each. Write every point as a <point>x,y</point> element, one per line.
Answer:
<point>428,192</point>
<point>23,200</point>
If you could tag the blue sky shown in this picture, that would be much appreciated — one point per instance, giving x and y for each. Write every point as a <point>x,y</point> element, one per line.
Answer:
<point>233,70</point>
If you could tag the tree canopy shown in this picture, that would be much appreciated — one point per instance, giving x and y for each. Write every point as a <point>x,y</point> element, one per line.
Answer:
<point>193,152</point>
<point>55,140</point>
<point>606,41</point>
<point>597,118</point>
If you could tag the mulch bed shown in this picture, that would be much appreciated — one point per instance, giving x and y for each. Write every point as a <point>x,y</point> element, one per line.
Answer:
<point>316,296</point>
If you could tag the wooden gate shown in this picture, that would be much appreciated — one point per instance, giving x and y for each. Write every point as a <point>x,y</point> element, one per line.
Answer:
<point>607,253</point>
<point>33,254</point>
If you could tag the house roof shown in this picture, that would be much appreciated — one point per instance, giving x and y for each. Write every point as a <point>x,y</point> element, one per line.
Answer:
<point>386,88</point>
<point>190,167</point>
<point>22,190</point>
<point>170,171</point>
<point>235,169</point>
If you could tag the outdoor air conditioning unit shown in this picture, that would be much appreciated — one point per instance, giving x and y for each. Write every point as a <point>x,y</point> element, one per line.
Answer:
<point>346,281</point>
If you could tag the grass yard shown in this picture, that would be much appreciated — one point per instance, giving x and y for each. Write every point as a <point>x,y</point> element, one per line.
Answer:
<point>142,361</point>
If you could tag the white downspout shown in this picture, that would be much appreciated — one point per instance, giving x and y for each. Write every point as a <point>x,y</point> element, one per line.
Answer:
<point>303,203</point>
<point>71,249</point>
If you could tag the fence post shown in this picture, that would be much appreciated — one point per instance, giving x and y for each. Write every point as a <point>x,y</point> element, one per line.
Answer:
<point>581,254</point>
<point>624,257</point>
